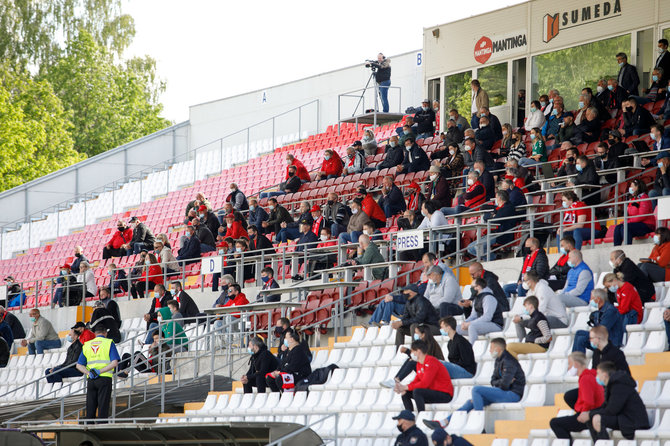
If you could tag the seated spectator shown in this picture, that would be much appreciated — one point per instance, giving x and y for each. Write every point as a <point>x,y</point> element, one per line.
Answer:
<point>258,242</point>
<point>476,271</point>
<point>538,337</point>
<point>453,164</point>
<point>615,95</point>
<point>493,121</point>
<point>486,316</point>
<point>336,214</point>
<point>568,132</point>
<point>473,198</point>
<point>637,120</point>
<point>152,275</point>
<point>291,230</point>
<point>166,258</point>
<point>623,408</point>
<point>158,362</point>
<point>578,283</point>
<point>356,221</point>
<point>440,437</point>
<point>234,261</point>
<point>431,383</point>
<point>507,383</point>
<point>603,314</point>
<point>536,118</point>
<point>424,119</point>
<point>460,121</point>
<point>633,275</point>
<point>405,132</point>
<point>67,369</point>
<point>88,279</point>
<point>586,175</point>
<point>78,258</point>
<point>539,149</point>
<point>177,317</point>
<point>442,289</point>
<point>630,305</point>
<point>418,311</point>
<point>438,188</point>
<point>237,198</point>
<point>486,178</point>
<point>569,164</point>
<point>6,333</point>
<point>236,297</point>
<point>516,149</point>
<point>590,396</point>
<point>307,240</point>
<point>199,200</point>
<point>502,224</point>
<point>605,161</point>
<point>290,186</point>
<point>121,237</point>
<point>207,241</point>
<point>554,122</point>
<point>172,331</point>
<point>433,217</point>
<point>279,215</point>
<point>111,305</point>
<point>661,186</point>
<point>261,363</point>
<point>269,283</point>
<point>192,214</point>
<point>225,282</point>
<point>13,322</point>
<point>415,198</point>
<point>282,327</point>
<point>461,359</point>
<point>234,229</point>
<point>549,304</point>
<point>324,260</point>
<point>102,316</point>
<point>143,238</point>
<point>421,333</point>
<point>576,220</point>
<point>209,219</point>
<point>391,200</point>
<point>394,153</point>
<point>589,127</point>
<point>190,248</point>
<point>604,350</point>
<point>354,162</point>
<point>484,134</point>
<point>657,265</point>
<point>454,134</point>
<point>516,196</point>
<point>369,143</point>
<point>257,215</point>
<point>42,335</point>
<point>67,292</point>
<point>367,254</point>
<point>415,158</point>
<point>160,300</point>
<point>15,294</point>
<point>301,170</point>
<point>371,231</point>
<point>472,151</point>
<point>536,261</point>
<point>660,137</point>
<point>331,166</point>
<point>292,367</point>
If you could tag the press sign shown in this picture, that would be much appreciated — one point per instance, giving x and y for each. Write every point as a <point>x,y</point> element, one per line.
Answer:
<point>210,265</point>
<point>409,240</point>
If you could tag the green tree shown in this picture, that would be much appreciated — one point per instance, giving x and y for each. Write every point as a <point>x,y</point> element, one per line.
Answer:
<point>34,138</point>
<point>458,93</point>
<point>109,103</point>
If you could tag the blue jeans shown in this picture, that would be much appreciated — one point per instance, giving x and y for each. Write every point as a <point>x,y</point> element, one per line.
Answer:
<point>206,248</point>
<point>581,342</point>
<point>424,135</point>
<point>336,229</point>
<point>384,311</point>
<point>271,194</point>
<point>482,396</point>
<point>286,234</point>
<point>635,229</point>
<point>528,162</point>
<point>60,373</point>
<point>150,333</point>
<point>513,288</point>
<point>138,247</point>
<point>474,121</point>
<point>455,210</point>
<point>579,234</point>
<point>449,309</point>
<point>58,297</point>
<point>667,329</point>
<point>456,371</point>
<point>629,318</point>
<point>349,237</point>
<point>654,193</point>
<point>39,346</point>
<point>472,248</point>
<point>384,93</point>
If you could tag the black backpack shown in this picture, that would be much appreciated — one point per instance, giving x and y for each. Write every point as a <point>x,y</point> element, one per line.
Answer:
<point>318,376</point>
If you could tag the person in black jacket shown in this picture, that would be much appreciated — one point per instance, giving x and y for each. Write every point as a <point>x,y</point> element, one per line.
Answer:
<point>259,242</point>
<point>538,337</point>
<point>67,369</point>
<point>637,120</point>
<point>78,258</point>
<point>207,241</point>
<point>261,363</point>
<point>536,260</point>
<point>187,306</point>
<point>588,130</point>
<point>391,200</point>
<point>627,76</point>
<point>461,359</point>
<point>507,384</point>
<point>418,310</point>
<point>484,134</point>
<point>561,268</point>
<point>633,275</point>
<point>424,119</point>
<point>102,316</point>
<point>502,224</point>
<point>14,323</point>
<point>486,178</point>
<point>142,239</point>
<point>605,161</point>
<point>283,326</point>
<point>111,305</point>
<point>623,408</point>
<point>477,270</point>
<point>190,247</point>
<point>269,283</point>
<point>415,159</point>
<point>661,185</point>
<point>209,219</point>
<point>394,154</point>
<point>117,279</point>
<point>294,366</point>
<point>586,174</point>
<point>4,353</point>
<point>278,215</point>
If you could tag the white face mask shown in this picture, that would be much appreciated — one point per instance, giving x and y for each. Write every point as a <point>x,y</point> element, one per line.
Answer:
<point>433,176</point>
<point>495,354</point>
<point>414,358</point>
<point>612,264</point>
<point>572,371</point>
<point>471,181</point>
<point>451,151</point>
<point>324,238</point>
<point>366,232</point>
<point>525,286</point>
<point>354,211</point>
<point>600,89</point>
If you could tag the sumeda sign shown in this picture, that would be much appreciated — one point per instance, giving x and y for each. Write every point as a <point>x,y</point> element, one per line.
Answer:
<point>588,13</point>
<point>409,240</point>
<point>500,46</point>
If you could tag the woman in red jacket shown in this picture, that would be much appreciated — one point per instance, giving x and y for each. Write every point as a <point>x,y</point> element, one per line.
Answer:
<point>641,220</point>
<point>657,266</point>
<point>331,167</point>
<point>234,228</point>
<point>630,304</point>
<point>152,274</point>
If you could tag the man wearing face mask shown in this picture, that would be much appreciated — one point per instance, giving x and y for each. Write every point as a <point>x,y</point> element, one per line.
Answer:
<point>567,132</point>
<point>225,281</point>
<point>627,77</point>
<point>237,198</point>
<point>187,306</point>
<point>114,247</point>
<point>269,283</point>
<point>438,187</point>
<point>278,215</point>
<point>473,198</point>
<point>67,369</point>
<point>102,316</point>
<point>160,300</point>
<point>394,153</point>
<point>418,310</point>
<point>415,159</point>
<point>283,326</point>
<point>259,242</point>
<point>202,232</point>
<point>336,214</point>
<point>142,239</point>
<point>549,304</point>
<point>257,215</point>
<point>42,335</point>
<point>486,316</point>
<point>637,120</point>
<point>424,119</point>
<point>502,224</point>
<point>368,253</point>
<point>461,359</point>
<point>661,185</point>
<point>209,219</point>
<point>261,362</point>
<point>633,275</point>
<point>78,258</point>
<point>578,283</point>
<point>460,121</point>
<point>331,166</point>
<point>484,134</point>
<point>590,396</point>
<point>294,365</point>
<point>391,200</point>
<point>614,96</point>
<point>190,251</point>
<point>356,221</point>
<point>603,313</point>
<point>410,434</point>
<point>234,229</point>
<point>538,337</point>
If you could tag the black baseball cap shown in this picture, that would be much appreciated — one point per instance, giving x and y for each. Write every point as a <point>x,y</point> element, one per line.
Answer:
<point>405,415</point>
<point>78,325</point>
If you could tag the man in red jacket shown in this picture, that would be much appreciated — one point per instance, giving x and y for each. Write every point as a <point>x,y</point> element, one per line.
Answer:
<point>301,170</point>
<point>432,383</point>
<point>331,167</point>
<point>371,207</point>
<point>120,237</point>
<point>590,396</point>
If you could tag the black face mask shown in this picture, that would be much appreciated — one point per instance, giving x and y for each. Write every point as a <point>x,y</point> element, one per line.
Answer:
<point>330,202</point>
<point>291,174</point>
<point>629,109</point>
<point>399,427</point>
<point>121,228</point>
<point>252,236</point>
<point>77,255</point>
<point>571,159</point>
<point>279,331</point>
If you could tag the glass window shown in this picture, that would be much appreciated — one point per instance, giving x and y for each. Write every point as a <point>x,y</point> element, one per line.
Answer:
<point>572,69</point>
<point>457,94</point>
<point>493,80</point>
<point>666,34</point>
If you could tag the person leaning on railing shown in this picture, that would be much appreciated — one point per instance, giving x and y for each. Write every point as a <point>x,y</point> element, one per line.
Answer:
<point>641,220</point>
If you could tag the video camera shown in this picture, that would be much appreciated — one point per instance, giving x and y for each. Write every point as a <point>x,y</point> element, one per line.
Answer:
<point>372,64</point>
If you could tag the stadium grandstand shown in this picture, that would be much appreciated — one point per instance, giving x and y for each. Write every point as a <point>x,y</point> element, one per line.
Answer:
<point>489,267</point>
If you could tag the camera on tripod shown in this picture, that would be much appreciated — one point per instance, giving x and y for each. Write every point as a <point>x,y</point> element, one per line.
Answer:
<point>372,64</point>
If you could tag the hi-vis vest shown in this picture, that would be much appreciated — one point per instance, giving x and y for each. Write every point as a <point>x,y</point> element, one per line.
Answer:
<point>96,352</point>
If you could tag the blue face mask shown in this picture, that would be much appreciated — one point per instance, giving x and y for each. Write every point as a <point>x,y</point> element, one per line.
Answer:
<point>68,338</point>
<point>579,167</point>
<point>563,251</point>
<point>594,347</point>
<point>613,288</point>
<point>532,136</point>
<point>542,103</point>
<point>610,87</point>
<point>581,104</point>
<point>593,305</point>
<point>620,64</point>
<point>443,332</point>
<point>570,264</point>
<point>654,78</point>
<point>526,312</point>
<point>533,109</point>
<point>416,336</point>
<point>551,100</point>
<point>286,343</point>
<point>250,351</point>
<point>600,381</point>
<point>554,112</point>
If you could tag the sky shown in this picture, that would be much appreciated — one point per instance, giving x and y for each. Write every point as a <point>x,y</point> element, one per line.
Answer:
<point>212,49</point>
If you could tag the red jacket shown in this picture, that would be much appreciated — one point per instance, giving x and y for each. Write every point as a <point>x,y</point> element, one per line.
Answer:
<point>301,171</point>
<point>643,209</point>
<point>236,231</point>
<point>432,375</point>
<point>155,275</point>
<point>629,299</point>
<point>333,166</point>
<point>86,336</point>
<point>240,299</point>
<point>120,238</point>
<point>576,210</point>
<point>661,255</point>
<point>590,395</point>
<point>474,195</point>
<point>372,208</point>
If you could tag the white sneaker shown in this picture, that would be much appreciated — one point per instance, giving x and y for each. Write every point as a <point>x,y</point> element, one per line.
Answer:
<point>390,383</point>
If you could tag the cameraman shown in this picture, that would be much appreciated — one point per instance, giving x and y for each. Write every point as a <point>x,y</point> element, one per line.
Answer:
<point>383,78</point>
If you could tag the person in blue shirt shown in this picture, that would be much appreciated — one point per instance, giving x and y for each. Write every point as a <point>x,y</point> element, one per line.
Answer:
<point>579,282</point>
<point>605,314</point>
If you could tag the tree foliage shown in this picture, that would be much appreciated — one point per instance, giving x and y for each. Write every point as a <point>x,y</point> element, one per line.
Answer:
<point>109,103</point>
<point>34,130</point>
<point>458,93</point>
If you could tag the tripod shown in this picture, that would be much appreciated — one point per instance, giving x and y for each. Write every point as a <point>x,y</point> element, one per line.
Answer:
<point>377,93</point>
